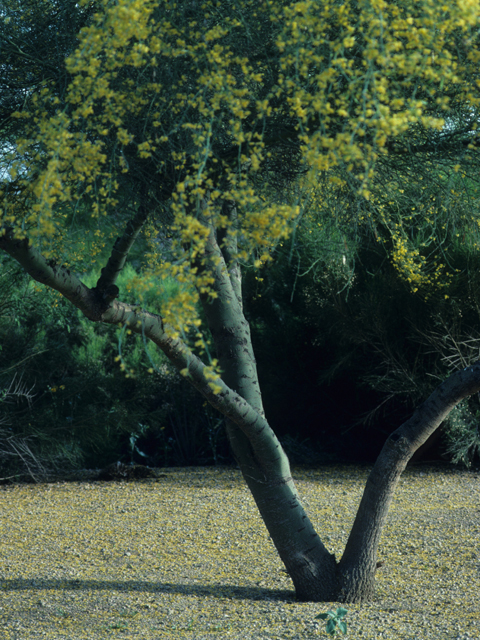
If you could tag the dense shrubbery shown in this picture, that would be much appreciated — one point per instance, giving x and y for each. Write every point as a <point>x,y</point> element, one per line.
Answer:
<point>85,405</point>
<point>382,339</point>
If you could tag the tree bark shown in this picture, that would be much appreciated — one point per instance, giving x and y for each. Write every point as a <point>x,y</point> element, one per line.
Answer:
<point>266,468</point>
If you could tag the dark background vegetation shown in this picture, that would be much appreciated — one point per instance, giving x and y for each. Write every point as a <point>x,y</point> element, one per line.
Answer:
<point>345,351</point>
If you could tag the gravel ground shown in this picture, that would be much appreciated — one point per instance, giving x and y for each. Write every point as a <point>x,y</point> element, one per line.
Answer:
<point>186,556</point>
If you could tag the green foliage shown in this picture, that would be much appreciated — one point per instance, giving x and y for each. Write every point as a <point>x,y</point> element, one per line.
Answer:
<point>462,433</point>
<point>255,103</point>
<point>82,409</point>
<point>335,624</point>
<point>32,335</point>
<point>133,352</point>
<point>333,314</point>
<point>394,333</point>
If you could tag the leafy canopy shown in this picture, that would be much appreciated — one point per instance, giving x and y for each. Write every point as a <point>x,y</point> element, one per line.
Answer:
<point>181,107</point>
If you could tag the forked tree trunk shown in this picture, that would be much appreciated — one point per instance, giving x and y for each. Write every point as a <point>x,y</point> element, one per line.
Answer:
<point>314,571</point>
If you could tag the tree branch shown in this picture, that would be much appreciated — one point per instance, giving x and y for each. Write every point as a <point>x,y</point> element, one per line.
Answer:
<point>228,246</point>
<point>95,307</point>
<point>109,274</point>
<point>56,277</point>
<point>365,535</point>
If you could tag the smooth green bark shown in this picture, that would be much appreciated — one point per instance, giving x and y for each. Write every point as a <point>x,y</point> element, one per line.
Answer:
<point>264,464</point>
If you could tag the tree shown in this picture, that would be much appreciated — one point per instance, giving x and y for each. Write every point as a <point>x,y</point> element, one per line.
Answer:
<point>206,128</point>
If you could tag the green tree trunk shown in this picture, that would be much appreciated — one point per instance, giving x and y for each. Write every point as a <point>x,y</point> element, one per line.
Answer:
<point>315,573</point>
<point>265,467</point>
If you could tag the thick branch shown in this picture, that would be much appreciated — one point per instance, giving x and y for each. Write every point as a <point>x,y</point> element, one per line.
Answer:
<point>230,330</point>
<point>56,277</point>
<point>120,251</point>
<point>95,307</point>
<point>361,549</point>
<point>228,246</point>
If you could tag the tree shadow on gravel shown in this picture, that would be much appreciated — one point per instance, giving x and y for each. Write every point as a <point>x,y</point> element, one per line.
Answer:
<point>212,590</point>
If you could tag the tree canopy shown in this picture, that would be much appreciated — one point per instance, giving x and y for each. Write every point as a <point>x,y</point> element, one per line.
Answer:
<point>184,106</point>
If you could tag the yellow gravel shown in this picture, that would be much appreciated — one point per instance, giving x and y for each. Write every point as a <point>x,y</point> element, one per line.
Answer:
<point>186,556</point>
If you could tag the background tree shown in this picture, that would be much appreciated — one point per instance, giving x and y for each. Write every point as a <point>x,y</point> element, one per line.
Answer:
<point>207,128</point>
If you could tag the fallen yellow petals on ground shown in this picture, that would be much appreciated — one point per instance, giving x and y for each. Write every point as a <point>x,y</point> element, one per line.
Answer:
<point>186,556</point>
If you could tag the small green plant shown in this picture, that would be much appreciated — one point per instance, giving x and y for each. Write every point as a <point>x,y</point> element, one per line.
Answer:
<point>120,626</point>
<point>334,621</point>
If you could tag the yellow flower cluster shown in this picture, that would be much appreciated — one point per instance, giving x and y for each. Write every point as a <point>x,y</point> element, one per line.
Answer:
<point>198,105</point>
